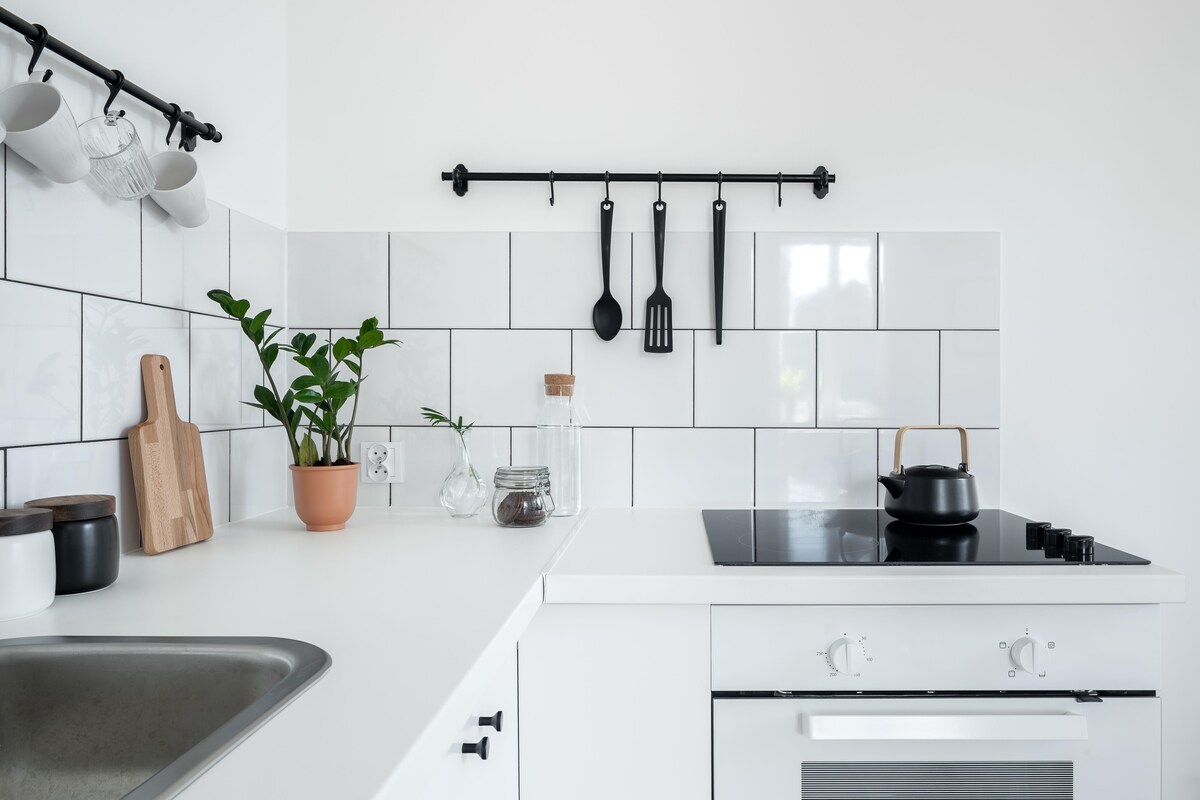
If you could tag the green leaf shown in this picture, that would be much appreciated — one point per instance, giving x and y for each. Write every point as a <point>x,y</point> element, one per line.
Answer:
<point>339,390</point>
<point>273,334</point>
<point>318,364</point>
<point>298,344</point>
<point>222,298</point>
<point>308,396</point>
<point>309,455</point>
<point>240,307</point>
<point>369,324</point>
<point>259,320</point>
<point>305,382</point>
<point>370,339</point>
<point>354,367</point>
<point>342,348</point>
<point>309,341</point>
<point>269,354</point>
<point>265,397</point>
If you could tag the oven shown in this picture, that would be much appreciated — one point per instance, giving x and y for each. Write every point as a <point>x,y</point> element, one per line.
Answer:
<point>924,702</point>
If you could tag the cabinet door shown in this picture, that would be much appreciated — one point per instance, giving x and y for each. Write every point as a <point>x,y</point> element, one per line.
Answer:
<point>616,703</point>
<point>466,776</point>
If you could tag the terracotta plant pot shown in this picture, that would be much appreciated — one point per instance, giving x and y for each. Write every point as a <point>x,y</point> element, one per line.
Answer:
<point>325,496</point>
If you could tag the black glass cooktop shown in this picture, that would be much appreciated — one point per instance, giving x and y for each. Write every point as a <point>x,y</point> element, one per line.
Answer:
<point>865,537</point>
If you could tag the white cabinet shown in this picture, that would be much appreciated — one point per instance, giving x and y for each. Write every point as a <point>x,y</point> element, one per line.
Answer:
<point>467,776</point>
<point>615,703</point>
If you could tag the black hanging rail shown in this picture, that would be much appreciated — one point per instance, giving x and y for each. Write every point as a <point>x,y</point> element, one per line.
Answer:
<point>820,178</point>
<point>40,39</point>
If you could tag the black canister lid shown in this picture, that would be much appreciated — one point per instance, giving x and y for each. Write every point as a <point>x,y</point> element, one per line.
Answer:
<point>17,521</point>
<point>77,507</point>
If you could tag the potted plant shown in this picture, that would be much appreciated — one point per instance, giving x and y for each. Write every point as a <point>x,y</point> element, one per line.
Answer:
<point>324,478</point>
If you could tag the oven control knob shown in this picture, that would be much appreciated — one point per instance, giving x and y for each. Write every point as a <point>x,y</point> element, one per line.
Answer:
<point>842,657</point>
<point>1028,655</point>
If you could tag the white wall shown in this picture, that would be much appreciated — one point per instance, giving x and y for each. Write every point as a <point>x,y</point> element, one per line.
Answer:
<point>222,59</point>
<point>1070,127</point>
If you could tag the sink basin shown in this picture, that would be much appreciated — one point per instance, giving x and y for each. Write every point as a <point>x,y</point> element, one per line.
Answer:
<point>136,717</point>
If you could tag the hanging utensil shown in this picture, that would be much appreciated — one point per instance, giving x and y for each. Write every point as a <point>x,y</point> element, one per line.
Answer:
<point>719,256</point>
<point>658,304</point>
<point>606,314</point>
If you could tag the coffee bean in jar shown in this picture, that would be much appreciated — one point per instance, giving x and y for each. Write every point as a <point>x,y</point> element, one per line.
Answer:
<point>520,500</point>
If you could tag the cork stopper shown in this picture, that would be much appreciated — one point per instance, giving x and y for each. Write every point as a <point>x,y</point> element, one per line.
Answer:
<point>559,384</point>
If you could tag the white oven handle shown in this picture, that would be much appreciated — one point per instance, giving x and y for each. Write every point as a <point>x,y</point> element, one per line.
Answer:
<point>963,727</point>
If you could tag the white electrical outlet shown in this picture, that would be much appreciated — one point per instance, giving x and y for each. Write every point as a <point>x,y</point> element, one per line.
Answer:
<point>382,463</point>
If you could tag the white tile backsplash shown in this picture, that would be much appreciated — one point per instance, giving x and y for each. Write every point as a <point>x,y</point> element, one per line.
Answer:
<point>942,447</point>
<point>939,280</point>
<point>688,279</point>
<point>337,280</point>
<point>607,464</point>
<point>449,281</point>
<point>116,335</point>
<point>872,379</point>
<point>401,379</point>
<point>180,265</point>
<point>497,377</point>
<point>565,267</point>
<point>815,468</point>
<point>697,468</point>
<point>225,370</point>
<point>258,472</point>
<point>971,378</point>
<point>70,236</point>
<point>773,374</point>
<point>40,331</point>
<point>257,266</point>
<point>620,385</point>
<point>215,449</point>
<point>429,455</point>
<point>815,280</point>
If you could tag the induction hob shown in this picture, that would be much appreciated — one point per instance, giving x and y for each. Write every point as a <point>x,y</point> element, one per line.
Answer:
<point>866,537</point>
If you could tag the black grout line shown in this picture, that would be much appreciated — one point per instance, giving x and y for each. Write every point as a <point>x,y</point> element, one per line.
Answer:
<point>4,162</point>
<point>753,280</point>
<point>510,280</point>
<point>878,282</point>
<point>229,479</point>
<point>129,300</point>
<point>389,301</point>
<point>939,381</point>
<point>632,467</point>
<point>142,251</point>
<point>450,373</point>
<point>229,252</point>
<point>582,329</point>
<point>816,378</point>
<point>82,363</point>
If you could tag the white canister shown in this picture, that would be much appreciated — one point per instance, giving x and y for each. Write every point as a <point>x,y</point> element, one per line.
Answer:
<point>26,561</point>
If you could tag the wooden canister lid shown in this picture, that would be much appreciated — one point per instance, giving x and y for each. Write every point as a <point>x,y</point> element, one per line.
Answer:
<point>76,507</point>
<point>559,384</point>
<point>16,521</point>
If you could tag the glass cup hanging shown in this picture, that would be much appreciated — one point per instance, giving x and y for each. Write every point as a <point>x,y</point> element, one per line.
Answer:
<point>119,163</point>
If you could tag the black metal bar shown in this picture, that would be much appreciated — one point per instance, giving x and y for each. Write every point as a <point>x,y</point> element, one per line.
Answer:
<point>820,178</point>
<point>204,130</point>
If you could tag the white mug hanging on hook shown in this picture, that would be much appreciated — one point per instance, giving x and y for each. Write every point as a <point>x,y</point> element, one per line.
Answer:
<point>180,189</point>
<point>41,129</point>
<point>119,164</point>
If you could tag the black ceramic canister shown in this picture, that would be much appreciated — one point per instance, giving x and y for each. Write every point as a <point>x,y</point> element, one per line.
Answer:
<point>87,542</point>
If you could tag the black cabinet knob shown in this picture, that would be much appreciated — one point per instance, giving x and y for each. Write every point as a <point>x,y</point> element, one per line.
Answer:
<point>479,748</point>
<point>1035,535</point>
<point>494,721</point>
<point>1079,548</point>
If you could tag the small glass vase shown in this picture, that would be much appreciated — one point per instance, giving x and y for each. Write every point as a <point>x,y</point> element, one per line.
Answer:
<point>463,493</point>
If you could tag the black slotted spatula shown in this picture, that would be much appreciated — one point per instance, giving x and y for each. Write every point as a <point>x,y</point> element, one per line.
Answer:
<point>658,304</point>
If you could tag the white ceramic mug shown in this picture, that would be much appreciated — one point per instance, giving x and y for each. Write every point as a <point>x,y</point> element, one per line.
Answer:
<point>179,187</point>
<point>41,129</point>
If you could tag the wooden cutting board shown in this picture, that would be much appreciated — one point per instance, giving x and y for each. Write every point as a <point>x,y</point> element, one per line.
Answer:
<point>168,467</point>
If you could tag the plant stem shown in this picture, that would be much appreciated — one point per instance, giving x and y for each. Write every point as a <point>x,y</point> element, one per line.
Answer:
<point>354,408</point>
<point>287,425</point>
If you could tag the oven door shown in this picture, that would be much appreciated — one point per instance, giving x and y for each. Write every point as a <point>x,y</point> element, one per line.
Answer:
<point>994,747</point>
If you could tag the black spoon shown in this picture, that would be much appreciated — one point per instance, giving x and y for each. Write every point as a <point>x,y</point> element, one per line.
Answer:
<point>606,314</point>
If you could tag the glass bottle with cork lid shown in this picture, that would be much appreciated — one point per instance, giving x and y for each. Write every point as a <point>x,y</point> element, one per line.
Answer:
<point>559,440</point>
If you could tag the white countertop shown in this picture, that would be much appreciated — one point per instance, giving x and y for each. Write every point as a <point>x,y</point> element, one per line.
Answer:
<point>662,556</point>
<point>406,603</point>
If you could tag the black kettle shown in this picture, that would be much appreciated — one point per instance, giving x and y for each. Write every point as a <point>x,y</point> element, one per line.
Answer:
<point>931,494</point>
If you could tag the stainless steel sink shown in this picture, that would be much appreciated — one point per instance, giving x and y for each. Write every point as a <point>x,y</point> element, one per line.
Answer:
<point>136,717</point>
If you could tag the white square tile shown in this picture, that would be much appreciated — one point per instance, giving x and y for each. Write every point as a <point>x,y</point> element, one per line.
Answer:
<point>401,379</point>
<point>688,279</point>
<point>868,379</point>
<point>258,472</point>
<point>816,468</point>
<point>116,335</point>
<point>429,454</point>
<point>621,385</point>
<point>942,447</point>
<point>939,280</point>
<point>814,280</point>
<point>257,265</point>
<point>757,379</point>
<point>449,280</point>
<point>215,449</point>
<point>79,468</point>
<point>39,336</point>
<point>180,265</point>
<point>70,235</point>
<point>497,377</point>
<point>693,468</point>
<point>607,464</point>
<point>556,279</point>
<point>337,279</point>
<point>225,370</point>
<point>971,378</point>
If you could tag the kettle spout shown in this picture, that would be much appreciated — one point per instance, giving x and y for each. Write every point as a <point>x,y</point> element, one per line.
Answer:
<point>893,483</point>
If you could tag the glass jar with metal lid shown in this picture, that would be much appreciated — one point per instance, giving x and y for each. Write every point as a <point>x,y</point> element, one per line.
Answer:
<point>521,498</point>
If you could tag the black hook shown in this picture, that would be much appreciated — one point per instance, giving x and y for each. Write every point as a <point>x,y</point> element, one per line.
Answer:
<point>780,179</point>
<point>551,187</point>
<point>114,88</point>
<point>39,44</point>
<point>606,187</point>
<point>187,136</point>
<point>720,180</point>
<point>660,187</point>
<point>173,118</point>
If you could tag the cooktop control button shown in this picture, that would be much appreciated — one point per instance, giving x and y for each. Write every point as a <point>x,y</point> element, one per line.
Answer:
<point>1029,655</point>
<point>846,656</point>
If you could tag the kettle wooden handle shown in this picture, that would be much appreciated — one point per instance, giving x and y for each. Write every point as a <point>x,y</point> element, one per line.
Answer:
<point>962,438</point>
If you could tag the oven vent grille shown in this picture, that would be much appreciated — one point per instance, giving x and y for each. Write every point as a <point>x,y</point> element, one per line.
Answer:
<point>934,780</point>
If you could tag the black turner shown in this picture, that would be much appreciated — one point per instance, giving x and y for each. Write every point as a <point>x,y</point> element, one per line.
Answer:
<point>658,304</point>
